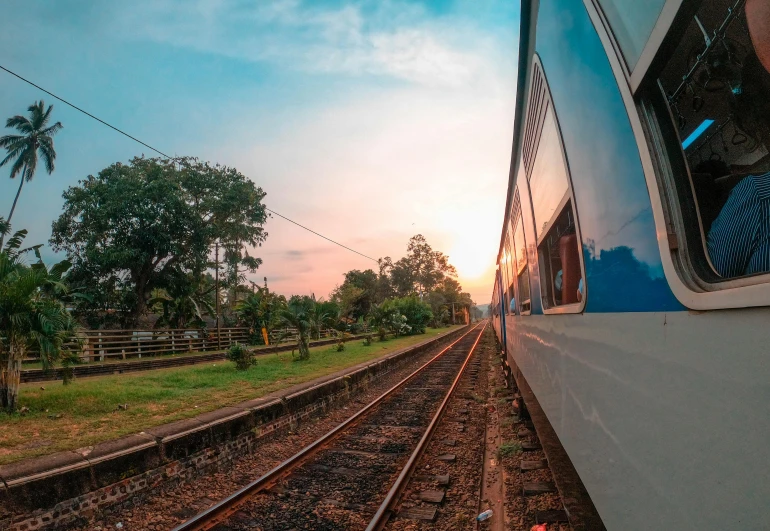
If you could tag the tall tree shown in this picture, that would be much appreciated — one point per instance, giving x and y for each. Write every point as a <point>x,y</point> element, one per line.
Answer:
<point>357,293</point>
<point>421,270</point>
<point>150,225</point>
<point>428,267</point>
<point>35,139</point>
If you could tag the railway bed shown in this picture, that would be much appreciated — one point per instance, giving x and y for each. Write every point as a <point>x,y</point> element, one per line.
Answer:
<point>342,479</point>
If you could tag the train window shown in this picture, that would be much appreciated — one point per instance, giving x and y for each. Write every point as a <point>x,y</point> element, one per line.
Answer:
<point>558,247</point>
<point>548,182</point>
<point>632,22</point>
<point>510,293</point>
<point>503,279</point>
<point>519,261</point>
<point>709,105</point>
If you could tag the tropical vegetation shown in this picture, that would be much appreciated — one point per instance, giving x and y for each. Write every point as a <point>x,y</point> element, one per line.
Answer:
<point>32,312</point>
<point>164,243</point>
<point>23,150</point>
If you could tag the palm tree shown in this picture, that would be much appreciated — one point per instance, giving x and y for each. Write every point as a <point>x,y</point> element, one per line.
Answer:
<point>23,149</point>
<point>299,315</point>
<point>32,315</point>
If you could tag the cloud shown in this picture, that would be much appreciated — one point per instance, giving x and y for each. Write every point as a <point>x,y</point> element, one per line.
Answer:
<point>388,38</point>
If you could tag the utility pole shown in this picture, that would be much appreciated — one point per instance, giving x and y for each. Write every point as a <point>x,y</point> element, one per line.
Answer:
<point>216,289</point>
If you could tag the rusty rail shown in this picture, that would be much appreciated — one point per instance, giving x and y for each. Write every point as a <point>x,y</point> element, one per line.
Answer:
<point>385,511</point>
<point>221,511</point>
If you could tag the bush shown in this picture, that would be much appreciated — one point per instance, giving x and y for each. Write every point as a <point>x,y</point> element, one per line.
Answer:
<point>367,340</point>
<point>341,341</point>
<point>241,356</point>
<point>415,314</point>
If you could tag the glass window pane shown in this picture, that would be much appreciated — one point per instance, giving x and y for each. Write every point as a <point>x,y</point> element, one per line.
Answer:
<point>521,248</point>
<point>548,182</point>
<point>509,278</point>
<point>717,93</point>
<point>632,22</point>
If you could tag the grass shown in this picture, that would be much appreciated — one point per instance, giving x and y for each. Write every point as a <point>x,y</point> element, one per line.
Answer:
<point>508,449</point>
<point>88,407</point>
<point>506,422</point>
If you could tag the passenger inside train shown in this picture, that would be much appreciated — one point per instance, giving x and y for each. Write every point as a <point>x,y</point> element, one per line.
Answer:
<point>717,88</point>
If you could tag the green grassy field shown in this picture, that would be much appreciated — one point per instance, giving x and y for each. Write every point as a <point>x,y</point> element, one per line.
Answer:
<point>86,411</point>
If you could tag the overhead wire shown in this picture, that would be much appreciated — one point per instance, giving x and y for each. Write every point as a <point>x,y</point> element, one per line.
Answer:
<point>175,159</point>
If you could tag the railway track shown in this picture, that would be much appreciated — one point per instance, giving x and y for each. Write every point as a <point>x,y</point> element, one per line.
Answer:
<point>351,477</point>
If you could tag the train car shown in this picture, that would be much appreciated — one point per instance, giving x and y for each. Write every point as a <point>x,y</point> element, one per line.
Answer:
<point>632,292</point>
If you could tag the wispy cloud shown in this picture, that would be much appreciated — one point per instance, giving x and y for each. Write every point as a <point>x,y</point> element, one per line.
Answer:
<point>387,38</point>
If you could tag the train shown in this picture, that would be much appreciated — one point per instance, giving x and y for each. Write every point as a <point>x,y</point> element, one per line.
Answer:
<point>632,292</point>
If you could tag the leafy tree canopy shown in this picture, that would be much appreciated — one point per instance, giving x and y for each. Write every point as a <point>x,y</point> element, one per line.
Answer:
<point>151,224</point>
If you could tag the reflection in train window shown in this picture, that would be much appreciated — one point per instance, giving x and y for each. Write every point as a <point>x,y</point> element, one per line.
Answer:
<point>519,261</point>
<point>632,22</point>
<point>558,247</point>
<point>510,294</point>
<point>548,183</point>
<point>504,279</point>
<point>711,99</point>
<point>559,258</point>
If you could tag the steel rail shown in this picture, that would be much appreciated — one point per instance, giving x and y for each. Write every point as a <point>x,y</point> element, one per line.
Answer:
<point>223,509</point>
<point>383,514</point>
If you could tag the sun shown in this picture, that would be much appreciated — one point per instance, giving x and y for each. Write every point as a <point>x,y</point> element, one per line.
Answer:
<point>470,258</point>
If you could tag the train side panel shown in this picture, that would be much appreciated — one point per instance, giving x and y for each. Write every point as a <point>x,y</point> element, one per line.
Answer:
<point>662,410</point>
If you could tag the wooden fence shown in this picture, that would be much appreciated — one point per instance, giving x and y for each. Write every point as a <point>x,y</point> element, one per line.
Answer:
<point>106,345</point>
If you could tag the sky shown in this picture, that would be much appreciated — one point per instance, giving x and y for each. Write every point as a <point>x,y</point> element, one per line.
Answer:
<point>367,121</point>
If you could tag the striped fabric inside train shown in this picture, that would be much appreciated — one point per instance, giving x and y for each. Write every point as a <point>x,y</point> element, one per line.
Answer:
<point>739,239</point>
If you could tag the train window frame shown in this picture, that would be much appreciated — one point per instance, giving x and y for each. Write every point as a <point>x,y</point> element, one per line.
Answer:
<point>666,18</point>
<point>539,104</point>
<point>686,285</point>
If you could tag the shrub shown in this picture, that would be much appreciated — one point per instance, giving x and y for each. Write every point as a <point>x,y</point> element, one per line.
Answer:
<point>341,341</point>
<point>241,356</point>
<point>407,315</point>
<point>367,340</point>
<point>508,449</point>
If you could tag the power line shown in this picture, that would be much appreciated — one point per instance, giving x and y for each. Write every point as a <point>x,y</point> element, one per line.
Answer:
<point>321,235</point>
<point>161,153</point>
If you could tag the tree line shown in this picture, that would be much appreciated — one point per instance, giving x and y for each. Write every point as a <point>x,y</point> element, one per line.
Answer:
<point>168,240</point>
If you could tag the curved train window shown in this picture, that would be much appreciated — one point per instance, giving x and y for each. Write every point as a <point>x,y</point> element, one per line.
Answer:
<point>558,247</point>
<point>632,22</point>
<point>519,261</point>
<point>504,280</point>
<point>509,289</point>
<point>708,111</point>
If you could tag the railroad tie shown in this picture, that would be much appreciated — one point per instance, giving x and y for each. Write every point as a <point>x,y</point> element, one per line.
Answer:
<point>427,514</point>
<point>551,516</point>
<point>530,446</point>
<point>538,487</point>
<point>534,465</point>
<point>432,496</point>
